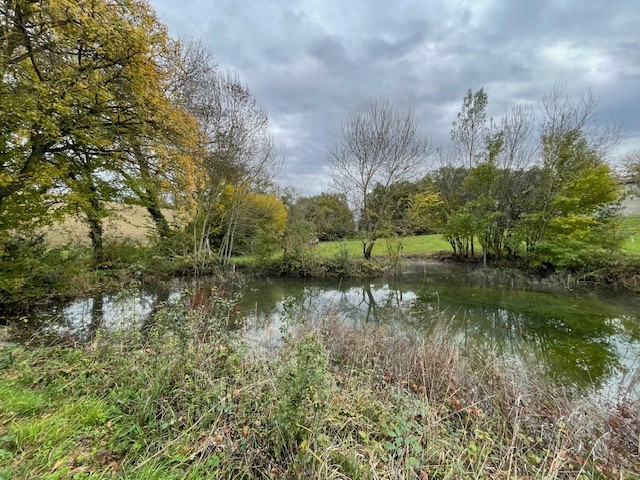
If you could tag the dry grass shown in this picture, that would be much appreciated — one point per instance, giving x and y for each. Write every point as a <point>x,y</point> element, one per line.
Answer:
<point>126,222</point>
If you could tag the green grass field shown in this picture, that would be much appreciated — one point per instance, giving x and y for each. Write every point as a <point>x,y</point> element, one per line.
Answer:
<point>430,244</point>
<point>631,226</point>
<point>415,245</point>
<point>427,244</point>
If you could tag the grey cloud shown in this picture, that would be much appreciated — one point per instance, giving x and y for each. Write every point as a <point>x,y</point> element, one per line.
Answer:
<point>310,62</point>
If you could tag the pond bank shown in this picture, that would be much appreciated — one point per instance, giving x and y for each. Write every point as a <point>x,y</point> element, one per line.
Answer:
<point>586,337</point>
<point>334,401</point>
<point>623,275</point>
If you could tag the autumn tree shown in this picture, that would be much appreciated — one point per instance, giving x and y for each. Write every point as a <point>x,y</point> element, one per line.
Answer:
<point>574,144</point>
<point>379,145</point>
<point>81,91</point>
<point>240,156</point>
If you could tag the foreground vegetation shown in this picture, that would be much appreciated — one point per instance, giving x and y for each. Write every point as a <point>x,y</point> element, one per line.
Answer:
<point>190,399</point>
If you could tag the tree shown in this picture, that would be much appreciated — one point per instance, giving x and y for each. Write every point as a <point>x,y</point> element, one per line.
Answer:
<point>573,144</point>
<point>503,188</point>
<point>469,130</point>
<point>328,214</point>
<point>260,224</point>
<point>631,162</point>
<point>240,156</point>
<point>379,145</point>
<point>80,91</point>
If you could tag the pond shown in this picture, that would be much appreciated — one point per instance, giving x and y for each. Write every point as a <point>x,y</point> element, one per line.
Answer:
<point>588,338</point>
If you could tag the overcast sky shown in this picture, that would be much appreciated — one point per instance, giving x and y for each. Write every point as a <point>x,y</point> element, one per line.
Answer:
<point>309,62</point>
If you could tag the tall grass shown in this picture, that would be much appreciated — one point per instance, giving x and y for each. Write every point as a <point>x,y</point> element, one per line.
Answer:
<point>189,398</point>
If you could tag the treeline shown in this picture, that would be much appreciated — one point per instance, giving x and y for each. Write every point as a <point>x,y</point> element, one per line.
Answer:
<point>534,184</point>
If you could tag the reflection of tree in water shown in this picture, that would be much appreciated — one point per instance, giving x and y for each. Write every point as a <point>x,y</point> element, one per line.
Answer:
<point>570,337</point>
<point>97,315</point>
<point>570,344</point>
<point>350,301</point>
<point>78,321</point>
<point>389,305</point>
<point>156,301</point>
<point>576,338</point>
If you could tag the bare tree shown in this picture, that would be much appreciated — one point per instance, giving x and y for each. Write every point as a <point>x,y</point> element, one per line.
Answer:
<point>520,142</point>
<point>379,145</point>
<point>244,154</point>
<point>563,116</point>
<point>572,139</point>
<point>631,164</point>
<point>240,155</point>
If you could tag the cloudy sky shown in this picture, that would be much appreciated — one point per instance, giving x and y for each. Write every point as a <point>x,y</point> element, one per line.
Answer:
<point>309,62</point>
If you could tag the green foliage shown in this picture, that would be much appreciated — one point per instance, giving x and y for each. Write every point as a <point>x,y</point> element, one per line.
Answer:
<point>469,130</point>
<point>630,230</point>
<point>576,222</point>
<point>304,383</point>
<point>560,213</point>
<point>391,209</point>
<point>28,270</point>
<point>265,243</point>
<point>427,211</point>
<point>297,240</point>
<point>89,92</point>
<point>328,214</point>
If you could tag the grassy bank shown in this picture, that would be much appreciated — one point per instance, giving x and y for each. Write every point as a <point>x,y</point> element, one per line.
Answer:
<point>631,231</point>
<point>188,399</point>
<point>414,245</point>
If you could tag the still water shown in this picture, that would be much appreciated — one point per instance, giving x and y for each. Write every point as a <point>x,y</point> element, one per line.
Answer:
<point>588,338</point>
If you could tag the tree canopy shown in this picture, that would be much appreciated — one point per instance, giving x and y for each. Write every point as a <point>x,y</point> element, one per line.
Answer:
<point>84,112</point>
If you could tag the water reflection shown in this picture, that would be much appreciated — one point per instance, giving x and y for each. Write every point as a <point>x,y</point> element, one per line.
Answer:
<point>585,338</point>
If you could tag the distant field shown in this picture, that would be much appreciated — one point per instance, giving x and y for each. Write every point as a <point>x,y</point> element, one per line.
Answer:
<point>133,222</point>
<point>128,222</point>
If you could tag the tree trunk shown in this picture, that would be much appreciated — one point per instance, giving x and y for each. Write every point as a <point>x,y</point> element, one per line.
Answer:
<point>95,234</point>
<point>149,195</point>
<point>367,248</point>
<point>159,219</point>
